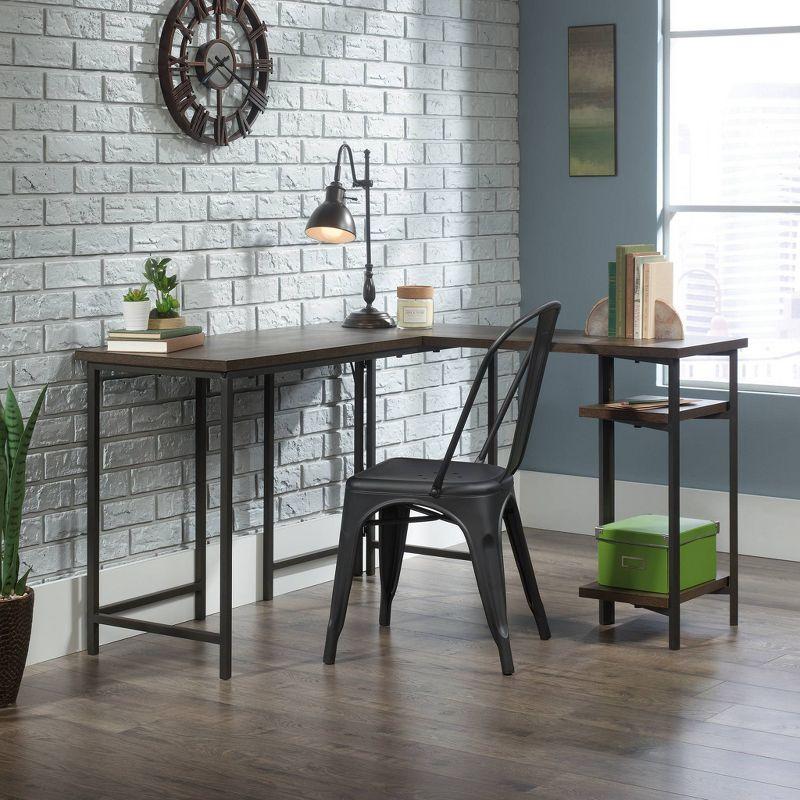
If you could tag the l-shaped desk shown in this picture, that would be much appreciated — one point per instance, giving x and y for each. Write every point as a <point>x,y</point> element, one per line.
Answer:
<point>266,352</point>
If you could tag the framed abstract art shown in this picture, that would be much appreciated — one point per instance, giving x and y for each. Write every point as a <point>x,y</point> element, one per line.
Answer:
<point>592,55</point>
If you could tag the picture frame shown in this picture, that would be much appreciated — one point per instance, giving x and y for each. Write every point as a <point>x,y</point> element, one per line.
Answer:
<point>592,100</point>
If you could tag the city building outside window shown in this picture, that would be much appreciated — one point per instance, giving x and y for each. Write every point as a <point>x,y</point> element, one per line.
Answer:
<point>732,182</point>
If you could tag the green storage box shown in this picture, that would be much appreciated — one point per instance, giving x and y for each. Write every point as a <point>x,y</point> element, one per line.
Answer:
<point>632,553</point>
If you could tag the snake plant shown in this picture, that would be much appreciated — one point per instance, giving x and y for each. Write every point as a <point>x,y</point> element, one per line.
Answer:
<point>15,438</point>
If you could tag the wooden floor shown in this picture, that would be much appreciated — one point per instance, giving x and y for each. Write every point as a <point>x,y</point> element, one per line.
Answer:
<point>422,711</point>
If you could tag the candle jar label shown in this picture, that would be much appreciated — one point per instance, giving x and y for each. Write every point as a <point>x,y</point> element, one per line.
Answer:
<point>415,316</point>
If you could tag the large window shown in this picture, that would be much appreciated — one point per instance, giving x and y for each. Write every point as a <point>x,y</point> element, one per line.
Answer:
<point>732,181</point>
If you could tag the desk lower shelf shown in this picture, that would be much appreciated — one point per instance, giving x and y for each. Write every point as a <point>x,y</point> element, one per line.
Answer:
<point>654,600</point>
<point>656,417</point>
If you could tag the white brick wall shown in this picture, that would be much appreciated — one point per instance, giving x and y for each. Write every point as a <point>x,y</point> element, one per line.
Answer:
<point>94,176</point>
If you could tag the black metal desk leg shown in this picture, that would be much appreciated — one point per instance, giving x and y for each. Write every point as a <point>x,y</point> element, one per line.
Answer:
<point>200,448</point>
<point>93,510</point>
<point>492,415</point>
<point>674,503</point>
<point>606,475</point>
<point>733,455</point>
<point>268,557</point>
<point>358,443</point>
<point>372,425</point>
<point>226,529</point>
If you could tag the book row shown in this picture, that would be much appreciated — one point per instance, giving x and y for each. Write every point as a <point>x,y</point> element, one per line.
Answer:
<point>639,276</point>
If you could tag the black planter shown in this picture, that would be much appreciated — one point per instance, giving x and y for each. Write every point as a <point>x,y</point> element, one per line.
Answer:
<point>16,618</point>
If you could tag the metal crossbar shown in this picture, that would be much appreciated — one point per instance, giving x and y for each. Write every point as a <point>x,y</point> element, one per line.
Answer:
<point>425,516</point>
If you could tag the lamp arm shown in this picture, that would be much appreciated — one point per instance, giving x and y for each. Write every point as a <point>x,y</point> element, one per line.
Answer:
<point>365,184</point>
<point>345,148</point>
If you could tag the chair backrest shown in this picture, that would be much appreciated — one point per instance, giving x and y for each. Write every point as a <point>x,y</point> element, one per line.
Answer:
<point>531,369</point>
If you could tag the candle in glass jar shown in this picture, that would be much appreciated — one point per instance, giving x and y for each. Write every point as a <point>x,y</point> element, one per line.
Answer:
<point>415,306</point>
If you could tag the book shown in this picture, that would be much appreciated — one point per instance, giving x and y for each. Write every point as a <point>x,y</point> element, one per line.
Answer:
<point>622,252</point>
<point>169,345</point>
<point>638,306</point>
<point>656,285</point>
<point>630,265</point>
<point>612,298</point>
<point>155,335</point>
<point>629,293</point>
<point>636,322</point>
<point>646,402</point>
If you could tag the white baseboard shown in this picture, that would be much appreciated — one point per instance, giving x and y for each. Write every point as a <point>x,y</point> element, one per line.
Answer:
<point>768,526</point>
<point>60,606</point>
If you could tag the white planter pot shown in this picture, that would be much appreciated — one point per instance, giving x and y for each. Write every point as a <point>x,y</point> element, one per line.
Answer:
<point>136,315</point>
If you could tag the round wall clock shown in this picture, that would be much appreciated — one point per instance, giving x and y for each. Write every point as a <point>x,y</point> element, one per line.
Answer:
<point>214,68</point>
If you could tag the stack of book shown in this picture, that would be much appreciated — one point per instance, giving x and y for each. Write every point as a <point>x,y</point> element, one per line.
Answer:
<point>639,277</point>
<point>155,341</point>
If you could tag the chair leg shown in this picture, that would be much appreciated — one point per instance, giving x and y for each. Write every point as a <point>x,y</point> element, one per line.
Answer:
<point>349,541</point>
<point>392,543</point>
<point>519,545</point>
<point>487,561</point>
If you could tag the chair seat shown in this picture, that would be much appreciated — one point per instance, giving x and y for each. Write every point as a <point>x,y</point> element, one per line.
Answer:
<point>414,476</point>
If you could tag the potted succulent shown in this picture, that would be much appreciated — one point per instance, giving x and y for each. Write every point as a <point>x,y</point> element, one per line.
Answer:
<point>136,309</point>
<point>16,597</point>
<point>166,313</point>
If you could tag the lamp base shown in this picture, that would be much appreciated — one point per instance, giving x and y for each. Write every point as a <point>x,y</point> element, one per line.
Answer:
<point>369,318</point>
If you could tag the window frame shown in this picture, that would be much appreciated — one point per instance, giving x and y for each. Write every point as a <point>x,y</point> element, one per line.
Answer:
<point>669,211</point>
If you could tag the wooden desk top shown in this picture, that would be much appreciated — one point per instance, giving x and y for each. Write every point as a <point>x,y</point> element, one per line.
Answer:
<point>567,341</point>
<point>330,343</point>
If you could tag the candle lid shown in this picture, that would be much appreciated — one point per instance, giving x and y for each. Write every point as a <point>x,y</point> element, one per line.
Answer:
<point>415,292</point>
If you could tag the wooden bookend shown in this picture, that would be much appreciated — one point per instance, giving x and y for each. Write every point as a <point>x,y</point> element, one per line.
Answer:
<point>668,321</point>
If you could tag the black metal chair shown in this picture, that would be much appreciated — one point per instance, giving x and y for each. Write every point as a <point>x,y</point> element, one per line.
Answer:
<point>477,497</point>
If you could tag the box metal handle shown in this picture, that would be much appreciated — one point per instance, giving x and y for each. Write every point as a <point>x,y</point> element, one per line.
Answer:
<point>632,562</point>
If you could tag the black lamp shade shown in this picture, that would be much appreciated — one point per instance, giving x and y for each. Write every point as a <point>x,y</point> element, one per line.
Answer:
<point>332,222</point>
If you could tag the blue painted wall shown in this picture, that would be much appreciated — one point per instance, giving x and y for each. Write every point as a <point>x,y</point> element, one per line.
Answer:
<point>568,231</point>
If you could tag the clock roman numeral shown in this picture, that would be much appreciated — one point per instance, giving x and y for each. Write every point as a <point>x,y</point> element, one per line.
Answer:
<point>184,30</point>
<point>200,10</point>
<point>263,65</point>
<point>182,95</point>
<point>198,126</point>
<point>256,32</point>
<point>244,125</point>
<point>180,64</point>
<point>257,98</point>
<point>220,7</point>
<point>220,131</point>
<point>240,10</point>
